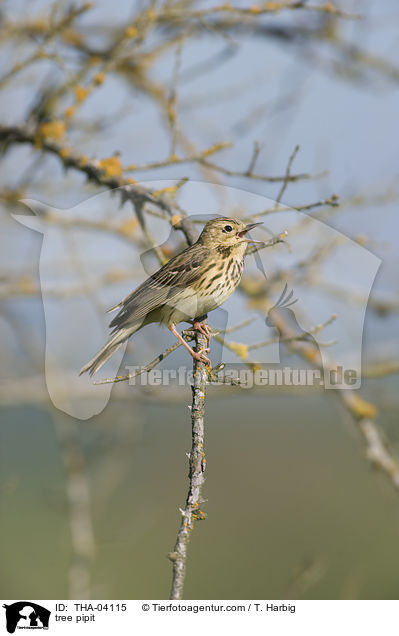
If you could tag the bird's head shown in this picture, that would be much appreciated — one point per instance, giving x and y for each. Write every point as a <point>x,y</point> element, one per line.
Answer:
<point>227,232</point>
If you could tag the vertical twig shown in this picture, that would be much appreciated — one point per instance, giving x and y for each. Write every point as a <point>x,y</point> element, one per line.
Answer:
<point>287,176</point>
<point>78,500</point>
<point>172,116</point>
<point>191,511</point>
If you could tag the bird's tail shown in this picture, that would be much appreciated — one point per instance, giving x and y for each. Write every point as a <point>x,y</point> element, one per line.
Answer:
<point>108,349</point>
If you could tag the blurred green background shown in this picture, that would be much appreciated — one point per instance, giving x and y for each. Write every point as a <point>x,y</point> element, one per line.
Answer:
<point>294,510</point>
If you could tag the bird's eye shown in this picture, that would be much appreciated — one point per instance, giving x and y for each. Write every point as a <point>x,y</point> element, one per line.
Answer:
<point>227,228</point>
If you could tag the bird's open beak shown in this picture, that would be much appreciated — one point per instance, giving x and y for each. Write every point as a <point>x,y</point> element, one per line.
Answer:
<point>247,228</point>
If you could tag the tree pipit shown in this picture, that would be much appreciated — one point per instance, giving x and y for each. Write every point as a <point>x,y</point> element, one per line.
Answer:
<point>193,283</point>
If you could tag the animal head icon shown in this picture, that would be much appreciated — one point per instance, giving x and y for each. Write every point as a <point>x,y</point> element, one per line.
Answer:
<point>281,307</point>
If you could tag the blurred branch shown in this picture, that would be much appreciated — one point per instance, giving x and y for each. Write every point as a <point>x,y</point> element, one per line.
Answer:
<point>256,10</point>
<point>287,177</point>
<point>78,498</point>
<point>361,411</point>
<point>111,175</point>
<point>381,306</point>
<point>50,34</point>
<point>377,452</point>
<point>256,177</point>
<point>380,369</point>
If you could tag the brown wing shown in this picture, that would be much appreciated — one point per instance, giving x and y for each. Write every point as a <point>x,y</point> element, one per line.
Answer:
<point>162,286</point>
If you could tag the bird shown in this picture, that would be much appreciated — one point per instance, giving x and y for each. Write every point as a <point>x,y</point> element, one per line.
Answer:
<point>191,284</point>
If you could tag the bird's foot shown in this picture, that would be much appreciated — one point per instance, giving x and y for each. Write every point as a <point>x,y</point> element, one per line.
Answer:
<point>200,356</point>
<point>203,328</point>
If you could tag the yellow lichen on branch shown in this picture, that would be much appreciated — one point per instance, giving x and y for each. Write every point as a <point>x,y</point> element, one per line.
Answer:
<point>129,227</point>
<point>64,153</point>
<point>240,349</point>
<point>329,7</point>
<point>71,36</point>
<point>215,148</point>
<point>272,6</point>
<point>111,166</point>
<point>80,93</point>
<point>131,31</point>
<point>168,190</point>
<point>361,408</point>
<point>70,111</point>
<point>99,79</point>
<point>175,219</point>
<point>51,130</point>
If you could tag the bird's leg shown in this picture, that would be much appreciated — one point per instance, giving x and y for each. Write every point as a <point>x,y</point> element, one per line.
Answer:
<point>202,327</point>
<point>197,355</point>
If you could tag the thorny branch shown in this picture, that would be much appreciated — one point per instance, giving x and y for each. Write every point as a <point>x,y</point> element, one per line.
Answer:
<point>187,334</point>
<point>196,459</point>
